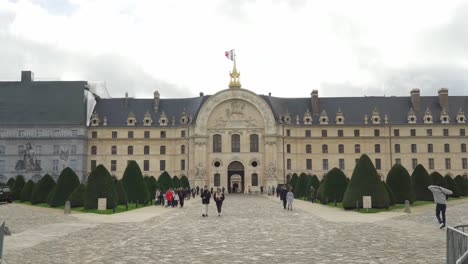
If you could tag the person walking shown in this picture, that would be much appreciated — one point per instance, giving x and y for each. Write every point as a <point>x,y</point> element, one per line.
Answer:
<point>176,198</point>
<point>440,198</point>
<point>156,197</point>
<point>282,194</point>
<point>169,197</point>
<point>181,197</point>
<point>206,196</point>
<point>198,189</point>
<point>219,198</point>
<point>211,190</point>
<point>223,189</point>
<point>290,198</point>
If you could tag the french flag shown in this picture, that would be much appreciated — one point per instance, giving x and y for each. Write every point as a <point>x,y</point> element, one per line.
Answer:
<point>229,54</point>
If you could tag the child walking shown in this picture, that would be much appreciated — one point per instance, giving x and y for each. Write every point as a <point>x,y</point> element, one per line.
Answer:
<point>290,198</point>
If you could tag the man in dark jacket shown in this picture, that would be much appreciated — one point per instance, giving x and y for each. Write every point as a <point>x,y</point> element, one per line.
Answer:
<point>206,196</point>
<point>181,197</point>
<point>198,189</point>
<point>283,194</point>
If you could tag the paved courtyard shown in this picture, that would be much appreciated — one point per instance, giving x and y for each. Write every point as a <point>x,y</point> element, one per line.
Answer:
<point>253,229</point>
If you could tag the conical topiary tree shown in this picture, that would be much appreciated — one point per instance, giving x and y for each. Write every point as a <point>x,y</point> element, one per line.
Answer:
<point>66,184</point>
<point>27,191</point>
<point>42,189</point>
<point>121,195</point>
<point>461,185</point>
<point>293,181</point>
<point>420,180</point>
<point>11,183</point>
<point>185,182</point>
<point>309,180</point>
<point>319,191</point>
<point>301,186</point>
<point>365,182</point>
<point>77,197</point>
<point>315,182</point>
<point>134,184</point>
<point>451,185</point>
<point>18,187</point>
<point>165,181</point>
<point>176,182</point>
<point>399,182</point>
<point>438,179</point>
<point>334,186</point>
<point>100,185</point>
<point>151,185</point>
<point>390,193</point>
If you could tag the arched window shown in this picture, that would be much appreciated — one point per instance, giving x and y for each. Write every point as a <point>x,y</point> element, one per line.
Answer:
<point>357,148</point>
<point>93,150</point>
<point>182,149</point>
<point>254,179</point>
<point>308,148</point>
<point>340,148</point>
<point>235,143</point>
<point>130,150</point>
<point>324,148</point>
<point>254,143</point>
<point>146,150</point>
<point>114,150</point>
<point>217,143</point>
<point>162,150</point>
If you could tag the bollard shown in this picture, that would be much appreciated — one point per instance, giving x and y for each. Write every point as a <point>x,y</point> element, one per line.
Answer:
<point>113,209</point>
<point>2,234</point>
<point>407,207</point>
<point>67,208</point>
<point>357,205</point>
<point>126,206</point>
<point>137,204</point>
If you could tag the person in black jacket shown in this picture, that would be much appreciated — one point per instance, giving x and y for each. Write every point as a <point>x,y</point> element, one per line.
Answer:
<point>219,198</point>
<point>181,197</point>
<point>206,196</point>
<point>283,194</point>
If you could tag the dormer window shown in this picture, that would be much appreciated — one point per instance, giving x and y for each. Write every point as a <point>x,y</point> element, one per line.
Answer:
<point>95,119</point>
<point>307,118</point>
<point>163,119</point>
<point>339,119</point>
<point>375,117</point>
<point>444,117</point>
<point>461,119</point>
<point>428,117</point>
<point>366,119</point>
<point>131,119</point>
<point>147,121</point>
<point>323,118</point>
<point>287,118</point>
<point>411,117</point>
<point>184,118</point>
<point>105,121</point>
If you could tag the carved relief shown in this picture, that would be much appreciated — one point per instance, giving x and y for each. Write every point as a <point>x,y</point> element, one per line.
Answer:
<point>200,171</point>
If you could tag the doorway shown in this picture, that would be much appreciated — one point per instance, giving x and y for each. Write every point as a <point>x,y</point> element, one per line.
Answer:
<point>236,177</point>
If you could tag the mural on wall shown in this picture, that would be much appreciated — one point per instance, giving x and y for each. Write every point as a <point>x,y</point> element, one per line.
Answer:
<point>29,162</point>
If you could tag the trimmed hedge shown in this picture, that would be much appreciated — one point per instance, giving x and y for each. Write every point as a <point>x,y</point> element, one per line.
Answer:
<point>452,185</point>
<point>438,179</point>
<point>100,185</point>
<point>151,185</point>
<point>18,187</point>
<point>42,189</point>
<point>390,194</point>
<point>165,181</point>
<point>334,186</point>
<point>309,180</point>
<point>77,197</point>
<point>66,184</point>
<point>185,182</point>
<point>27,191</point>
<point>420,180</point>
<point>134,183</point>
<point>293,182</point>
<point>121,194</point>
<point>365,182</point>
<point>176,182</point>
<point>301,186</point>
<point>462,185</point>
<point>399,182</point>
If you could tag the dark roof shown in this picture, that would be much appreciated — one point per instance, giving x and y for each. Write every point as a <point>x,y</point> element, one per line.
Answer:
<point>42,103</point>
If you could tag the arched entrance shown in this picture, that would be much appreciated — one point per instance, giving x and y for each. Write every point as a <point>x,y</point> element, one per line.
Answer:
<point>236,177</point>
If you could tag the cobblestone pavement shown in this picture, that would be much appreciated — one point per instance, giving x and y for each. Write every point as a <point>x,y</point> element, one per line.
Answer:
<point>253,229</point>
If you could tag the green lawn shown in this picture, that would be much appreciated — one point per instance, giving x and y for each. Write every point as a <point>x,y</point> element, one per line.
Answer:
<point>119,209</point>
<point>393,207</point>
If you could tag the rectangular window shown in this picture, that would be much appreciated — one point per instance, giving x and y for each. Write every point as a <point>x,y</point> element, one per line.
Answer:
<point>376,133</point>
<point>430,148</point>
<point>462,132</point>
<point>55,165</point>
<point>94,134</point>
<point>464,163</point>
<point>21,133</point>
<point>113,165</point>
<point>448,166</point>
<point>217,179</point>
<point>429,132</point>
<point>93,164</point>
<point>397,148</point>
<point>288,148</point>
<point>130,134</point>
<point>431,163</point>
<point>377,148</point>
<point>446,148</point>
<point>378,164</point>
<point>325,164</point>
<point>146,134</point>
<point>182,133</point>
<point>146,165</point>
<point>56,149</point>
<point>254,179</point>
<point>446,132</point>
<point>182,164</point>
<point>414,148</point>
<point>414,163</point>
<point>356,133</point>
<point>324,133</point>
<point>324,148</point>
<point>309,164</point>
<point>397,161</point>
<point>340,133</point>
<point>288,164</point>
<point>73,149</point>
<point>162,134</point>
<point>288,132</point>
<point>462,147</point>
<point>413,132</point>
<point>396,132</point>
<point>162,165</point>
<point>114,134</point>
<point>342,164</point>
<point>307,133</point>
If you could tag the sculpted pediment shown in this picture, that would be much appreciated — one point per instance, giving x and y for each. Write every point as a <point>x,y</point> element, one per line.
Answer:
<point>235,113</point>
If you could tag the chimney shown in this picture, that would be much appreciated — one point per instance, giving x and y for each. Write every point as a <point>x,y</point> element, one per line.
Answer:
<point>315,102</point>
<point>156,101</point>
<point>415,99</point>
<point>27,76</point>
<point>201,94</point>
<point>443,98</point>
<point>126,99</point>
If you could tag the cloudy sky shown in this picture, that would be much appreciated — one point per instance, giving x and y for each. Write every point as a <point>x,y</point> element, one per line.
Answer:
<point>286,47</point>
